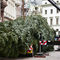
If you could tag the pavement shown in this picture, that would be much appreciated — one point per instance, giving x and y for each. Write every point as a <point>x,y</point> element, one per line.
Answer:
<point>55,55</point>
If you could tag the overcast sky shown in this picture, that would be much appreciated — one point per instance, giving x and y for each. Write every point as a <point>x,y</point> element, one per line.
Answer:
<point>37,1</point>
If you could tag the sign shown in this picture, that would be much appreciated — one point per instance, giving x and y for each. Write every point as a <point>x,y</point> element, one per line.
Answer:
<point>43,42</point>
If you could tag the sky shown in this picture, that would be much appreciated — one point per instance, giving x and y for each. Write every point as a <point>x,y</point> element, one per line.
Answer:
<point>37,1</point>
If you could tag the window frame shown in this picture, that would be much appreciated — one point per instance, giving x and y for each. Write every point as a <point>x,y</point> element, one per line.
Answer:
<point>45,11</point>
<point>57,20</point>
<point>51,20</point>
<point>51,11</point>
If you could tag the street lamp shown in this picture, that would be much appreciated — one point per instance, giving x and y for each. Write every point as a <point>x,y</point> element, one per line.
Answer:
<point>39,43</point>
<point>3,5</point>
<point>40,53</point>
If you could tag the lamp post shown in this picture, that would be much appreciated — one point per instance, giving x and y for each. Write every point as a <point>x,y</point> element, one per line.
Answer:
<point>39,46</point>
<point>3,5</point>
<point>39,43</point>
<point>40,53</point>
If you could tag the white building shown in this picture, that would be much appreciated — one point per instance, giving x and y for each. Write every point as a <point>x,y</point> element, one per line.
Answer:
<point>10,10</point>
<point>51,14</point>
<point>34,7</point>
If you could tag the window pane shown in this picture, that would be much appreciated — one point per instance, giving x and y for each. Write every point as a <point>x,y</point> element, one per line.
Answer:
<point>51,20</point>
<point>45,11</point>
<point>57,11</point>
<point>56,21</point>
<point>45,2</point>
<point>51,11</point>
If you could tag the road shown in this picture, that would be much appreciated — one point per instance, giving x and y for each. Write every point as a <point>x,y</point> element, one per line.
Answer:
<point>55,55</point>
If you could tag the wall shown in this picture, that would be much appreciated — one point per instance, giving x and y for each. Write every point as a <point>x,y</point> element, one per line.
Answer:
<point>54,15</point>
<point>10,10</point>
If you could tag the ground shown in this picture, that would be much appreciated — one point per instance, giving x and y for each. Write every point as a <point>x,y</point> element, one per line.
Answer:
<point>55,55</point>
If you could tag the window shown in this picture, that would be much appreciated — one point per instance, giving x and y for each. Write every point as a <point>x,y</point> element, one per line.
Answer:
<point>57,21</point>
<point>57,11</point>
<point>45,2</point>
<point>57,1</point>
<point>51,11</point>
<point>57,29</point>
<point>51,21</point>
<point>59,33</point>
<point>45,11</point>
<point>41,10</point>
<point>36,8</point>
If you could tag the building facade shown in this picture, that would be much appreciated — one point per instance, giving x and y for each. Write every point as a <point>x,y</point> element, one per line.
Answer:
<point>10,12</point>
<point>34,8</point>
<point>51,14</point>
